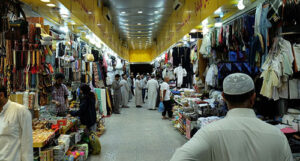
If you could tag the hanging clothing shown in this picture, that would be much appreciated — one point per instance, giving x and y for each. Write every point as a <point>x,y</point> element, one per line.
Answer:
<point>125,92</point>
<point>138,93</point>
<point>152,87</point>
<point>117,96</point>
<point>15,133</point>
<point>239,136</point>
<point>180,73</point>
<point>211,75</point>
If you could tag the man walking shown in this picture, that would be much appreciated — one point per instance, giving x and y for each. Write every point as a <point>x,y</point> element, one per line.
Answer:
<point>130,85</point>
<point>15,130</point>
<point>125,91</point>
<point>143,82</point>
<point>117,94</point>
<point>166,98</point>
<point>152,86</point>
<point>138,92</point>
<point>240,136</point>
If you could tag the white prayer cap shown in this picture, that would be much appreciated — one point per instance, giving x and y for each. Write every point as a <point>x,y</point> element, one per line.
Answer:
<point>237,84</point>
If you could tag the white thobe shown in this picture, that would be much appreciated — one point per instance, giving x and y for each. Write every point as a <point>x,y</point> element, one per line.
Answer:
<point>138,93</point>
<point>180,73</point>
<point>125,92</point>
<point>240,136</point>
<point>152,86</point>
<point>15,133</point>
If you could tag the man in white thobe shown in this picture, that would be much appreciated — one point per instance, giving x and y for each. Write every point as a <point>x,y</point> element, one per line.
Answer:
<point>138,92</point>
<point>152,86</point>
<point>125,91</point>
<point>240,136</point>
<point>15,130</point>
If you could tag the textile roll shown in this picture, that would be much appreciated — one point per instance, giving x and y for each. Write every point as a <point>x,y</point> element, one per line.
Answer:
<point>19,97</point>
<point>25,99</point>
<point>31,100</point>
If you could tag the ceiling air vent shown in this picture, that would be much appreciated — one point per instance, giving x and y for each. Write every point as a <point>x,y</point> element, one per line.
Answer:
<point>106,13</point>
<point>178,4</point>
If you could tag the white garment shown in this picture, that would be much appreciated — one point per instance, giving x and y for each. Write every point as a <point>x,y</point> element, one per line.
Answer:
<point>211,75</point>
<point>180,73</point>
<point>165,87</point>
<point>138,93</point>
<point>205,48</point>
<point>125,92</point>
<point>169,73</point>
<point>152,86</point>
<point>15,133</point>
<point>240,136</point>
<point>297,55</point>
<point>143,82</point>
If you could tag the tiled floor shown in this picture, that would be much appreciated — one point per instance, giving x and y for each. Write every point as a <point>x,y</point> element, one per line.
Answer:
<point>138,135</point>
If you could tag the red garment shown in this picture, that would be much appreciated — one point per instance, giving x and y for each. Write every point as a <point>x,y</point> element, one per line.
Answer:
<point>166,58</point>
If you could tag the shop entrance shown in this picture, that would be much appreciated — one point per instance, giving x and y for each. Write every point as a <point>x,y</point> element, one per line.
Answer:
<point>141,68</point>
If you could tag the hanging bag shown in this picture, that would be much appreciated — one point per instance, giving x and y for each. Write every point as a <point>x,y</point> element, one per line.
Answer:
<point>161,107</point>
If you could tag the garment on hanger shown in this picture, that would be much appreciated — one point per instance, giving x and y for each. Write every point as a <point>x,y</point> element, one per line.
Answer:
<point>180,73</point>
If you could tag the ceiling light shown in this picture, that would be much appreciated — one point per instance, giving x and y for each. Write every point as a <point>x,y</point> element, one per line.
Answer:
<point>155,11</point>
<point>123,12</point>
<point>218,24</point>
<point>140,12</point>
<point>98,24</point>
<point>126,24</point>
<point>205,22</point>
<point>64,15</point>
<point>139,31</point>
<point>89,13</point>
<point>241,5</point>
<point>139,37</point>
<point>193,30</point>
<point>139,23</point>
<point>51,5</point>
<point>46,1</point>
<point>218,11</point>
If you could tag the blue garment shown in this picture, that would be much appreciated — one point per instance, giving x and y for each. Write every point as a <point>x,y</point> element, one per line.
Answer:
<point>263,27</point>
<point>255,46</point>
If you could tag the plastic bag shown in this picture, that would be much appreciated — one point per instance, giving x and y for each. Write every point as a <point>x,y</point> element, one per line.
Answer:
<point>161,107</point>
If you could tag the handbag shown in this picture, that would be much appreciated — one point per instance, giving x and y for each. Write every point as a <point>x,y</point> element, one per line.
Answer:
<point>161,107</point>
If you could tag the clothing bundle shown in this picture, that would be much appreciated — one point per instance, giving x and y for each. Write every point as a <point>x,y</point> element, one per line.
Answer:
<point>277,69</point>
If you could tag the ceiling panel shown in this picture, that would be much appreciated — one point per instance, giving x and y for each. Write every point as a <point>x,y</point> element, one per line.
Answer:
<point>139,21</point>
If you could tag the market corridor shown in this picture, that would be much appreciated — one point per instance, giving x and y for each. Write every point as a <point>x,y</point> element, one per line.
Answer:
<point>138,134</point>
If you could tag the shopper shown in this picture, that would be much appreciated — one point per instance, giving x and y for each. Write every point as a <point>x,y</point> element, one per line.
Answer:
<point>240,136</point>
<point>138,92</point>
<point>60,95</point>
<point>125,91</point>
<point>133,83</point>
<point>15,130</point>
<point>143,85</point>
<point>117,94</point>
<point>166,98</point>
<point>87,110</point>
<point>152,86</point>
<point>130,84</point>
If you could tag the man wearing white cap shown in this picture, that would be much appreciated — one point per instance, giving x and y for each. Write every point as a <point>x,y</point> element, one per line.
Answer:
<point>240,136</point>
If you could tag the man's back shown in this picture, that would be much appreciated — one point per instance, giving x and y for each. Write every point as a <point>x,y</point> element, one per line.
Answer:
<point>240,136</point>
<point>152,85</point>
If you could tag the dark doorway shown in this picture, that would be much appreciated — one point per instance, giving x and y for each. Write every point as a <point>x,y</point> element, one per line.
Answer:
<point>141,68</point>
